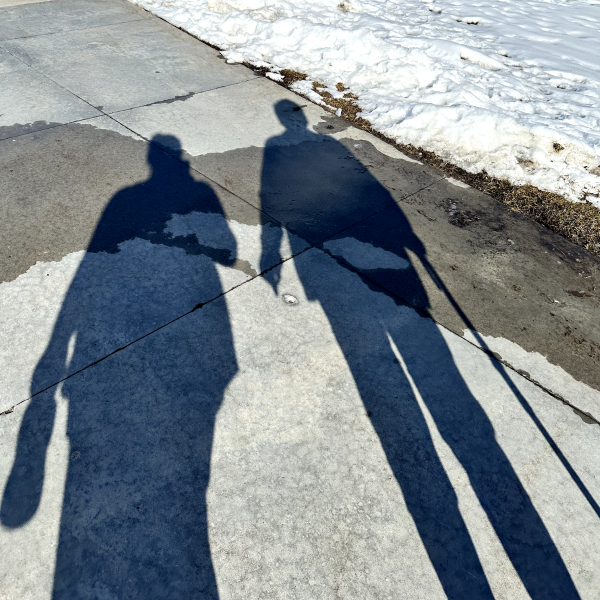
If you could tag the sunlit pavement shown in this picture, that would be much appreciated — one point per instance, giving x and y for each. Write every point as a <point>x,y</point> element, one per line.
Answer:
<point>251,352</point>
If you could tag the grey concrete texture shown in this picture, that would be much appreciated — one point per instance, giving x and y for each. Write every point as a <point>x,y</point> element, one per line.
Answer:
<point>196,403</point>
<point>341,447</point>
<point>46,18</point>
<point>291,136</point>
<point>484,267</point>
<point>84,189</point>
<point>127,64</point>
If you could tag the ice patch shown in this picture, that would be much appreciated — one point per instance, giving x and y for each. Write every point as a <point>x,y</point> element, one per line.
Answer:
<point>457,183</point>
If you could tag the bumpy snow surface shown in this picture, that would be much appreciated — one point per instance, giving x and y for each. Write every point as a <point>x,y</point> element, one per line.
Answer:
<point>507,86</point>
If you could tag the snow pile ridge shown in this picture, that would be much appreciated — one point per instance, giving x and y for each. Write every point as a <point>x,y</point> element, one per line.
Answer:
<point>507,86</point>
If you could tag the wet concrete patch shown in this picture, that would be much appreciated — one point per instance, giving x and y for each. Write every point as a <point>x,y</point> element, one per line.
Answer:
<point>58,183</point>
<point>98,222</point>
<point>499,274</point>
<point>8,132</point>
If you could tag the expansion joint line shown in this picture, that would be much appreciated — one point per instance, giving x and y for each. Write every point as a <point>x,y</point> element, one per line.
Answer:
<point>139,339</point>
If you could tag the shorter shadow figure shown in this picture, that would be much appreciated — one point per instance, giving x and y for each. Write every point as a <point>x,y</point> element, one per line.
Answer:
<point>140,423</point>
<point>304,187</point>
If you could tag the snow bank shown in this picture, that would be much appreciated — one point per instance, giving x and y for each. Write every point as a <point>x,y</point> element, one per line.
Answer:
<point>509,86</point>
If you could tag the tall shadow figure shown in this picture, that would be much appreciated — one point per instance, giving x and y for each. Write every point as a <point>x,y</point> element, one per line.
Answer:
<point>304,187</point>
<point>140,423</point>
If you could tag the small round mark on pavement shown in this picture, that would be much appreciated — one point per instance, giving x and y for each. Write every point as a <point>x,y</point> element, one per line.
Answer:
<point>289,299</point>
<point>75,455</point>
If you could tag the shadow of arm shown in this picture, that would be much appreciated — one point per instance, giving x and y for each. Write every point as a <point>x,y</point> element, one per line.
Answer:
<point>270,237</point>
<point>23,490</point>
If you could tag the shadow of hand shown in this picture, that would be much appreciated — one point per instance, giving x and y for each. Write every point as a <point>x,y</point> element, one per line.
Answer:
<point>23,490</point>
<point>273,276</point>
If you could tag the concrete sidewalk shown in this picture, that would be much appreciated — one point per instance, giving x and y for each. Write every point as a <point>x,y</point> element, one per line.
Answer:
<point>218,373</point>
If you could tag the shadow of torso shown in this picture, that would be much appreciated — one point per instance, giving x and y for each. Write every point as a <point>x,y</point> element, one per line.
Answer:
<point>316,187</point>
<point>140,422</point>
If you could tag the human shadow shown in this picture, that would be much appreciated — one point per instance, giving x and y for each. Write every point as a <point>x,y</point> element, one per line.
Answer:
<point>140,422</point>
<point>304,187</point>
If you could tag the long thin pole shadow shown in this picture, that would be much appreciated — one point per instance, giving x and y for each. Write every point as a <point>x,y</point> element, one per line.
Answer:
<point>515,390</point>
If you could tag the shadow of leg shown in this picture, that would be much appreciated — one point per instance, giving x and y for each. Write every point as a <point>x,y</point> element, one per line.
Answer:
<point>406,441</point>
<point>466,428</point>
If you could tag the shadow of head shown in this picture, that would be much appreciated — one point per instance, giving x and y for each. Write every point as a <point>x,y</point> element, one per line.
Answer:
<point>290,115</point>
<point>161,143</point>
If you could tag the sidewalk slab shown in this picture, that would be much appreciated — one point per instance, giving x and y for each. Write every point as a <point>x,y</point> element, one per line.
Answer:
<point>127,64</point>
<point>45,18</point>
<point>31,102</point>
<point>343,462</point>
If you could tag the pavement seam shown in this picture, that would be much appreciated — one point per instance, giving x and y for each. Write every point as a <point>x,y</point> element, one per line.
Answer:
<point>109,115</point>
<point>222,294</point>
<point>106,356</point>
<point>102,112</point>
<point>19,135</point>
<point>170,100</point>
<point>27,37</point>
<point>60,86</point>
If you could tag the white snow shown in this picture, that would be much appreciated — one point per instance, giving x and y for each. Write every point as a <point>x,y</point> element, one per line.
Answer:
<point>486,84</point>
